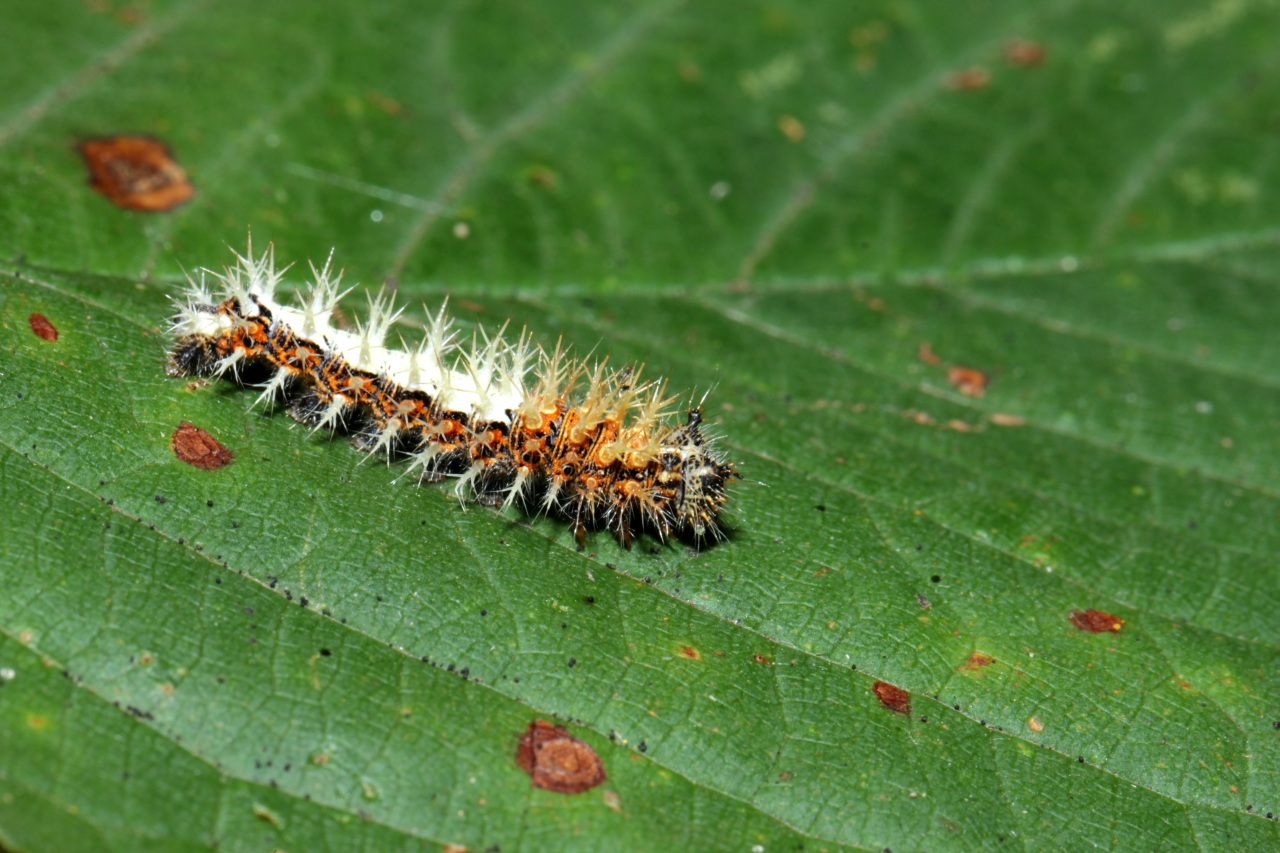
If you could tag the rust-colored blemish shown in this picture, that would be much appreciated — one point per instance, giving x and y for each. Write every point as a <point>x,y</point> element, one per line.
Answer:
<point>136,173</point>
<point>542,176</point>
<point>557,761</point>
<point>455,848</point>
<point>1006,420</point>
<point>919,417</point>
<point>925,353</point>
<point>199,449</point>
<point>384,102</point>
<point>1025,53</point>
<point>1096,621</point>
<point>968,380</point>
<point>37,721</point>
<point>690,652</point>
<point>763,659</point>
<point>968,79</point>
<point>976,661</point>
<point>43,328</point>
<point>894,698</point>
<point>791,128</point>
<point>1035,724</point>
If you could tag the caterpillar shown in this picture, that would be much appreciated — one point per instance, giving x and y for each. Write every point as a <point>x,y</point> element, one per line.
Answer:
<point>514,423</point>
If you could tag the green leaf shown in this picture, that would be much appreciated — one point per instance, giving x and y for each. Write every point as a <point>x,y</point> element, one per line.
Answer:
<point>820,211</point>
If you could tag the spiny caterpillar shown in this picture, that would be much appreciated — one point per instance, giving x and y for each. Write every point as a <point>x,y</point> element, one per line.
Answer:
<point>512,422</point>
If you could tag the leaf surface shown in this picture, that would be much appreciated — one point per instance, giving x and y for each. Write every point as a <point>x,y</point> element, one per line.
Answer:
<point>986,294</point>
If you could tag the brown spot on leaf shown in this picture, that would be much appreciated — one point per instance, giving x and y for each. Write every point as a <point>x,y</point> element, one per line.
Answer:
<point>976,661</point>
<point>1096,621</point>
<point>925,353</point>
<point>791,128</point>
<point>1004,420</point>
<point>455,848</point>
<point>542,176</point>
<point>1035,725</point>
<point>136,173</point>
<point>894,698</point>
<point>557,761</point>
<point>968,79</point>
<point>690,652</point>
<point>384,102</point>
<point>763,659</point>
<point>1025,53</point>
<point>199,449</point>
<point>968,380</point>
<point>43,328</point>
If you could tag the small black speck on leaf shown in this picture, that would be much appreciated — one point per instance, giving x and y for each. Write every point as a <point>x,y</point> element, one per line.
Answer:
<point>642,746</point>
<point>573,661</point>
<point>160,499</point>
<point>324,653</point>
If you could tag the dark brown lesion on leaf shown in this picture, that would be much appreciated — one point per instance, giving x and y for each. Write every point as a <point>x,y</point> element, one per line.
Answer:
<point>557,761</point>
<point>198,448</point>
<point>1096,621</point>
<point>976,661</point>
<point>136,172</point>
<point>42,328</point>
<point>894,698</point>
